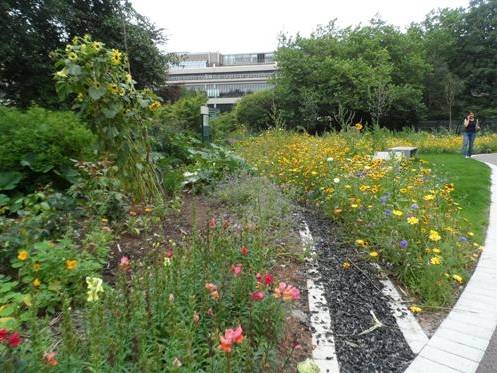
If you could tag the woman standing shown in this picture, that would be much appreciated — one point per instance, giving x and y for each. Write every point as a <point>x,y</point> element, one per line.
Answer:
<point>471,125</point>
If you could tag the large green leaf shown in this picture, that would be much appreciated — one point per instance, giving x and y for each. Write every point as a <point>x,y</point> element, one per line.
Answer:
<point>9,180</point>
<point>96,93</point>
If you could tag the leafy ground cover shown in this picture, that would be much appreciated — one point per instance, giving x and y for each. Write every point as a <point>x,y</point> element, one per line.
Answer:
<point>399,212</point>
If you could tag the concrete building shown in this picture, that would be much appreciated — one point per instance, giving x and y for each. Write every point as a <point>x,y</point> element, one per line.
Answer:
<point>225,78</point>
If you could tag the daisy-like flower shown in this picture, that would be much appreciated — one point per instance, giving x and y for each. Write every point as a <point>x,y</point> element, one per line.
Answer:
<point>429,197</point>
<point>286,292</point>
<point>71,264</point>
<point>415,309</point>
<point>23,255</point>
<point>412,220</point>
<point>373,254</point>
<point>458,278</point>
<point>435,260</point>
<point>397,212</point>
<point>434,236</point>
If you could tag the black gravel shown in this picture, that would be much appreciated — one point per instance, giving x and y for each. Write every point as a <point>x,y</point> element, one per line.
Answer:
<point>351,296</point>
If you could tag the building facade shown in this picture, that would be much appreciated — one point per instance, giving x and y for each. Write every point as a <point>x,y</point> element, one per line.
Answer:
<point>224,78</point>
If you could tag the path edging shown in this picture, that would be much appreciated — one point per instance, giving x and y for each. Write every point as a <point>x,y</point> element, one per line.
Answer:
<point>459,344</point>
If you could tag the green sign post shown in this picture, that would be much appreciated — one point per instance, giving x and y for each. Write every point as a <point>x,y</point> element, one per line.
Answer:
<point>204,111</point>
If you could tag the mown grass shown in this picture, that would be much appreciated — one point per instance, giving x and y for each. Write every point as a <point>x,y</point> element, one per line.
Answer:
<point>472,181</point>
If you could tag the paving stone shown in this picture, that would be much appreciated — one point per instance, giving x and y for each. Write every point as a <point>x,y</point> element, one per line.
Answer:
<point>458,349</point>
<point>449,359</point>
<point>423,365</point>
<point>462,338</point>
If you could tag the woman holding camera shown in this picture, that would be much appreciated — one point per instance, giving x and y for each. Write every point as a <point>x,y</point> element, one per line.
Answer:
<point>471,125</point>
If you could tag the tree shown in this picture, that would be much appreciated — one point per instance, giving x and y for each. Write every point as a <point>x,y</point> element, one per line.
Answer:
<point>452,88</point>
<point>30,30</point>
<point>379,101</point>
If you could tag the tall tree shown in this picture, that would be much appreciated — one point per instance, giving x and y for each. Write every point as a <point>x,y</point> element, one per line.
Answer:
<point>31,29</point>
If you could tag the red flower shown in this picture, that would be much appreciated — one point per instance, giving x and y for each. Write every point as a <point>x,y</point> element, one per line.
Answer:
<point>257,296</point>
<point>244,251</point>
<point>268,279</point>
<point>3,334</point>
<point>50,358</point>
<point>212,223</point>
<point>14,340</point>
<point>236,269</point>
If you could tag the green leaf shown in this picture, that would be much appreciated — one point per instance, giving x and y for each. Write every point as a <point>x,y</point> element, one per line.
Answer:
<point>110,112</point>
<point>74,69</point>
<point>9,179</point>
<point>7,310</point>
<point>96,93</point>
<point>4,200</point>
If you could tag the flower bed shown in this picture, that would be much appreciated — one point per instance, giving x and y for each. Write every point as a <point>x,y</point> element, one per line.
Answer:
<point>397,212</point>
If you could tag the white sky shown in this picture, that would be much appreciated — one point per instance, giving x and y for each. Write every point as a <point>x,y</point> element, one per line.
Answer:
<point>233,26</point>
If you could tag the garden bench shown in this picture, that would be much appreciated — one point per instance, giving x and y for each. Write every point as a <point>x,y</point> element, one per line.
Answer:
<point>397,152</point>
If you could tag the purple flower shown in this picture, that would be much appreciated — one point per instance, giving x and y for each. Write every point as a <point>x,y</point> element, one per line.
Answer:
<point>388,212</point>
<point>383,199</point>
<point>463,239</point>
<point>403,244</point>
<point>414,206</point>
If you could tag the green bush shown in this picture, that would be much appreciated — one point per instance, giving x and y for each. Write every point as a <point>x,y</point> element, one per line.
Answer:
<point>37,147</point>
<point>255,110</point>
<point>184,114</point>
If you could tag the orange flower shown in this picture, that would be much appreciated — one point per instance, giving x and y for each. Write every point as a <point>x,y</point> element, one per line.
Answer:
<point>71,264</point>
<point>231,337</point>
<point>50,359</point>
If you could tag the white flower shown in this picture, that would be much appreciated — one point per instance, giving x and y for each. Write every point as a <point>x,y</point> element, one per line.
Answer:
<point>307,366</point>
<point>167,262</point>
<point>329,159</point>
<point>336,180</point>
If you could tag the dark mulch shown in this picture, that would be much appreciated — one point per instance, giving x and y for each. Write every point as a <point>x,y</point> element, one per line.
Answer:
<point>351,295</point>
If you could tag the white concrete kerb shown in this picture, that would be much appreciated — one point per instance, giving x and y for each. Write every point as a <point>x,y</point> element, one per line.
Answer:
<point>323,343</point>
<point>460,342</point>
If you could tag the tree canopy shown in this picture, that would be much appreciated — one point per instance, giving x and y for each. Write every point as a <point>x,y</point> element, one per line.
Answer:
<point>31,29</point>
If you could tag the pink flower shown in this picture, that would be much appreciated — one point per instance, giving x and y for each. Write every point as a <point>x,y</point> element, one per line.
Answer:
<point>169,253</point>
<point>258,277</point>
<point>257,296</point>
<point>286,292</point>
<point>236,269</point>
<point>244,251</point>
<point>196,318</point>
<point>50,358</point>
<point>124,264</point>
<point>231,337</point>
<point>212,223</point>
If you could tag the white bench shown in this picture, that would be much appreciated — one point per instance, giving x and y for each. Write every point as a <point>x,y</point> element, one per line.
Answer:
<point>397,152</point>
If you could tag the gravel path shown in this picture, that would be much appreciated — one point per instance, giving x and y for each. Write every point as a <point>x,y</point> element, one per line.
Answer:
<point>353,295</point>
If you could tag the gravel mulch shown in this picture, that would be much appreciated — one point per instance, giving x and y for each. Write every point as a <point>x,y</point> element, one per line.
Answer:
<point>353,295</point>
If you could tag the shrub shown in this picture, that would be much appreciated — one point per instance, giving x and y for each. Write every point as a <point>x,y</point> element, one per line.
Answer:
<point>184,114</point>
<point>37,146</point>
<point>254,110</point>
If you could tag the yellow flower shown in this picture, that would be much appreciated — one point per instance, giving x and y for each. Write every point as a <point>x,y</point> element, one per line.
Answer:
<point>358,126</point>
<point>361,243</point>
<point>403,190</point>
<point>373,254</point>
<point>363,188</point>
<point>114,88</point>
<point>115,57</point>
<point>104,220</point>
<point>434,235</point>
<point>36,282</point>
<point>71,264</point>
<point>61,74</point>
<point>471,234</point>
<point>23,255</point>
<point>94,287</point>
<point>72,56</point>
<point>397,212</point>
<point>435,260</point>
<point>354,205</point>
<point>36,266</point>
<point>429,197</point>
<point>458,278</point>
<point>97,45</point>
<point>412,220</point>
<point>129,79</point>
<point>436,251</point>
<point>415,309</point>
<point>345,265</point>
<point>154,105</point>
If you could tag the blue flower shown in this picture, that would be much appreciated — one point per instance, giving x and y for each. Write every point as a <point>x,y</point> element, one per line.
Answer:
<point>414,206</point>
<point>388,212</point>
<point>463,239</point>
<point>403,244</point>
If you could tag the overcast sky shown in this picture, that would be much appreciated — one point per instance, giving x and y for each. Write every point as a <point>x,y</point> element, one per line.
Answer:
<point>233,26</point>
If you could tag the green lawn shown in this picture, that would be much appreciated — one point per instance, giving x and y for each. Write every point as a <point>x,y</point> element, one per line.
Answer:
<point>472,181</point>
